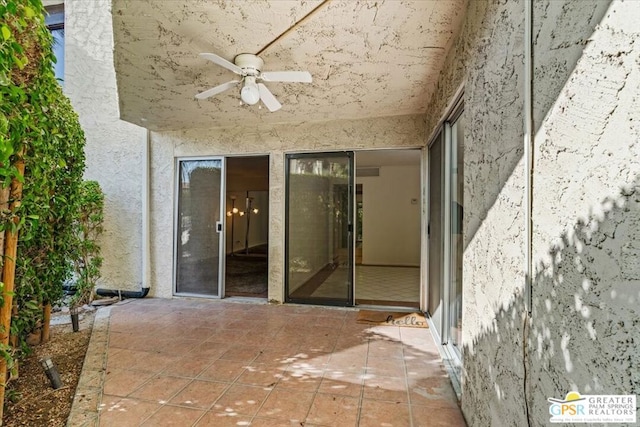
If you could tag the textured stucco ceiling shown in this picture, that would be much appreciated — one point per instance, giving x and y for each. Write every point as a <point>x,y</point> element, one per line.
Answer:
<point>367,58</point>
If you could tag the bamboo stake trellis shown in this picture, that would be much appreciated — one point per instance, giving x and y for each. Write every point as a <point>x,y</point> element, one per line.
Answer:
<point>9,272</point>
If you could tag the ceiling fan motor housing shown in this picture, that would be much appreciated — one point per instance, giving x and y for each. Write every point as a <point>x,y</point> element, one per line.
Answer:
<point>250,64</point>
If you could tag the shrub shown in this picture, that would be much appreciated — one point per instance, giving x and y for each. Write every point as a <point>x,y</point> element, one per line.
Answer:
<point>88,227</point>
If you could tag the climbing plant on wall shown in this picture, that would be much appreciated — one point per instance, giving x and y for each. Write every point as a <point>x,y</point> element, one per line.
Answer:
<point>39,128</point>
<point>88,227</point>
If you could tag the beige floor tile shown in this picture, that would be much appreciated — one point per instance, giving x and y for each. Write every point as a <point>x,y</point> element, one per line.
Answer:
<point>434,392</point>
<point>392,389</point>
<point>378,413</point>
<point>170,416</point>
<point>240,400</point>
<point>213,419</point>
<point>160,389</point>
<point>274,422</point>
<point>301,380</point>
<point>154,362</point>
<point>261,374</point>
<point>333,410</point>
<point>383,367</point>
<point>123,382</point>
<point>189,366</point>
<point>223,370</point>
<point>386,349</point>
<point>199,394</point>
<point>346,362</point>
<point>288,405</point>
<point>424,416</point>
<point>343,388</point>
<point>119,412</point>
<point>291,365</point>
<point>124,358</point>
<point>241,353</point>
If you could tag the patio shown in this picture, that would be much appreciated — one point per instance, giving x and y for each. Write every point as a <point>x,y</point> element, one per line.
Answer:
<point>160,362</point>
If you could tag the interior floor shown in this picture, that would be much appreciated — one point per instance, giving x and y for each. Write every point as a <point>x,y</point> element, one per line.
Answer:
<point>246,275</point>
<point>388,285</point>
<point>375,285</point>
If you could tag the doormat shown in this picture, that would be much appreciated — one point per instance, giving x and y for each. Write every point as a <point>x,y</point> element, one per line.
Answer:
<point>392,318</point>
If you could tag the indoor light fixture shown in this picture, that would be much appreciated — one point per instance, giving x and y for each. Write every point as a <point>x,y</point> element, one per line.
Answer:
<point>250,94</point>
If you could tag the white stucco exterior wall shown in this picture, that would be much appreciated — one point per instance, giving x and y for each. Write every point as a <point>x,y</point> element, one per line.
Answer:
<point>487,58</point>
<point>277,140</point>
<point>585,211</point>
<point>586,307</point>
<point>114,147</point>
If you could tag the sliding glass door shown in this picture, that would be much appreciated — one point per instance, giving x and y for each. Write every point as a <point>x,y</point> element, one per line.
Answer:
<point>319,227</point>
<point>199,253</point>
<point>457,244</point>
<point>436,231</point>
<point>446,231</point>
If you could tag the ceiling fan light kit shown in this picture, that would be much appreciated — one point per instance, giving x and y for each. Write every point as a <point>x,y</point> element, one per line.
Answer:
<point>249,67</point>
<point>250,94</point>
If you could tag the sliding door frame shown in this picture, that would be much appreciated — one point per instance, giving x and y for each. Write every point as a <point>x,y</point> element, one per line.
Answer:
<point>350,238</point>
<point>221,226</point>
<point>444,131</point>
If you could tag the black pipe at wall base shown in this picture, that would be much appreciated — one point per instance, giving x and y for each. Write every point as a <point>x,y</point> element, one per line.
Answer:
<point>122,294</point>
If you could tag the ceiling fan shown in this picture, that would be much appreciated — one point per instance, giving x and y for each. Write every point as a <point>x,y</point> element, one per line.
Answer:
<point>249,67</point>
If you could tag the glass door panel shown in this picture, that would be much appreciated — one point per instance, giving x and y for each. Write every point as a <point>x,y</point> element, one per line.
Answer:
<point>319,240</point>
<point>457,203</point>
<point>199,228</point>
<point>436,232</point>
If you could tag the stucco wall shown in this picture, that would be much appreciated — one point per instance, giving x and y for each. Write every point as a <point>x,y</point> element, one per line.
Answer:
<point>586,220</point>
<point>114,147</point>
<point>275,140</point>
<point>586,314</point>
<point>487,57</point>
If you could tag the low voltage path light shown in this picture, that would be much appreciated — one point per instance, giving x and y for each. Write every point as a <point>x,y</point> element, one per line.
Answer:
<point>51,371</point>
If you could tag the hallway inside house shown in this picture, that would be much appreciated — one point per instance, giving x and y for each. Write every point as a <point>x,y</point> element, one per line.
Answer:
<point>160,362</point>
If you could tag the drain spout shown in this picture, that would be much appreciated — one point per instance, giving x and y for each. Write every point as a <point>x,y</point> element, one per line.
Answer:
<point>122,294</point>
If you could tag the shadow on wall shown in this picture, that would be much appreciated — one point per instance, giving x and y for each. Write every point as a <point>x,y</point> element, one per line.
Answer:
<point>586,308</point>
<point>493,92</point>
<point>585,324</point>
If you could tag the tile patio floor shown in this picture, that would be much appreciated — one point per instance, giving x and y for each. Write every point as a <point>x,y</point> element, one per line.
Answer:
<point>158,362</point>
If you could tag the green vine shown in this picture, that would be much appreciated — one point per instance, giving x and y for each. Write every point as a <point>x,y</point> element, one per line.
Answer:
<point>38,120</point>
<point>88,228</point>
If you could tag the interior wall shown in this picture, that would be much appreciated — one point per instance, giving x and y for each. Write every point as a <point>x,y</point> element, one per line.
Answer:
<point>258,225</point>
<point>391,216</point>
<point>247,176</point>
<point>114,148</point>
<point>277,140</point>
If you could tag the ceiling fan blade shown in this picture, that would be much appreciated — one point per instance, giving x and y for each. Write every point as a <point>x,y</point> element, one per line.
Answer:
<point>222,62</point>
<point>216,90</point>
<point>268,99</point>
<point>286,76</point>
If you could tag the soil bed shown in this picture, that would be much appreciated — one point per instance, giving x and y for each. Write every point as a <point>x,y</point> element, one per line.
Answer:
<point>30,399</point>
